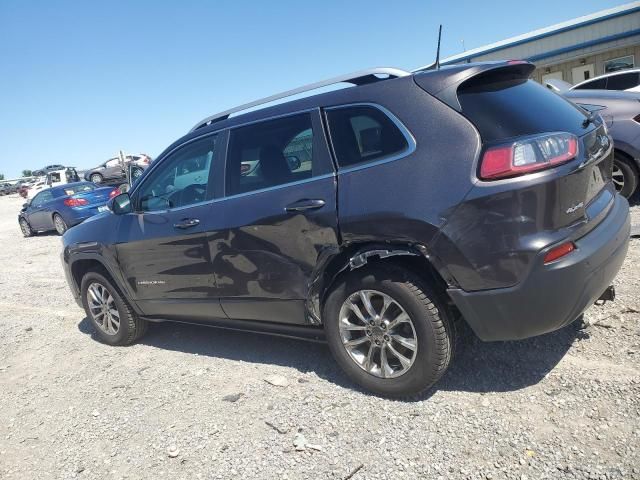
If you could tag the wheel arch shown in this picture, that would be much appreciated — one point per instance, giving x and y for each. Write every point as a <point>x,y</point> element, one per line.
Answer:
<point>412,257</point>
<point>85,263</point>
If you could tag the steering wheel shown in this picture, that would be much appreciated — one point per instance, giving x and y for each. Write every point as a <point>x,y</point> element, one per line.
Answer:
<point>193,193</point>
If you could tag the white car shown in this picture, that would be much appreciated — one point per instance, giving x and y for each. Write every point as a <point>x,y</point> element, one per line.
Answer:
<point>628,80</point>
<point>53,179</point>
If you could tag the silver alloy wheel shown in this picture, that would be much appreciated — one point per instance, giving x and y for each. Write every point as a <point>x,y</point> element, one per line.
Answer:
<point>58,222</point>
<point>96,178</point>
<point>617,177</point>
<point>24,226</point>
<point>378,334</point>
<point>103,308</point>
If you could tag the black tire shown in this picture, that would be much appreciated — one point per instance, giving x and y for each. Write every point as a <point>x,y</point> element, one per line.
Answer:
<point>625,176</point>
<point>25,227</point>
<point>96,178</point>
<point>429,318</point>
<point>59,224</point>
<point>131,326</point>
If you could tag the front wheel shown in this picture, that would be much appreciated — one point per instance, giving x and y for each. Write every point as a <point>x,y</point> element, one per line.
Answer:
<point>114,320</point>
<point>26,228</point>
<point>96,178</point>
<point>387,331</point>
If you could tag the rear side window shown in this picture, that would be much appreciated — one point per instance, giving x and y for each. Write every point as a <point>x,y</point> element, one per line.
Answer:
<point>623,81</point>
<point>270,153</point>
<point>362,134</point>
<point>515,107</point>
<point>600,83</point>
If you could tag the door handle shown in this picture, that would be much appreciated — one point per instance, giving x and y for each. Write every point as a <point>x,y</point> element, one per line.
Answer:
<point>186,223</point>
<point>302,205</point>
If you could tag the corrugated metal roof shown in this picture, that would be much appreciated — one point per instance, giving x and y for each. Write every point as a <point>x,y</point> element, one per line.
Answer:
<point>545,32</point>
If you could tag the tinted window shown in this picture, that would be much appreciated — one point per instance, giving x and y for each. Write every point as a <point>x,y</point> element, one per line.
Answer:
<point>270,153</point>
<point>42,197</point>
<point>623,81</point>
<point>181,180</point>
<point>510,108</point>
<point>598,84</point>
<point>362,134</point>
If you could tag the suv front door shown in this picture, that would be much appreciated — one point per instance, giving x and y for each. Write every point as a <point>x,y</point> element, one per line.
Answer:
<point>277,220</point>
<point>163,245</point>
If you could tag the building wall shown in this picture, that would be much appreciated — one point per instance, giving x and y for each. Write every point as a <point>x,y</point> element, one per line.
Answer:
<point>597,59</point>
<point>560,49</point>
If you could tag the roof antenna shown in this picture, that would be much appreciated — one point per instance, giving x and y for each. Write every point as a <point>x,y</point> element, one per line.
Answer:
<point>437,64</point>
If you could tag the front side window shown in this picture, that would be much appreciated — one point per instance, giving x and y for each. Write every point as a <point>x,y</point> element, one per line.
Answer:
<point>270,153</point>
<point>362,134</point>
<point>41,198</point>
<point>181,180</point>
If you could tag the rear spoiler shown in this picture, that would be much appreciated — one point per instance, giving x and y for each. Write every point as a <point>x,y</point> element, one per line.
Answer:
<point>444,83</point>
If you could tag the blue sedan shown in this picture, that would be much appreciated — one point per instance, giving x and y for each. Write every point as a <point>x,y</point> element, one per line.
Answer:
<point>60,208</point>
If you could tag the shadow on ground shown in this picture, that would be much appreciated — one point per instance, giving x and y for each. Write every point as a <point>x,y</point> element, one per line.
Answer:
<point>477,366</point>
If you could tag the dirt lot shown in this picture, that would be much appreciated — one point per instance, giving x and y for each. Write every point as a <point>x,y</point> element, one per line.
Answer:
<point>191,402</point>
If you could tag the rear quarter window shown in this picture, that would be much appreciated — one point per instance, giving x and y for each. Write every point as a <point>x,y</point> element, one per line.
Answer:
<point>361,134</point>
<point>502,109</point>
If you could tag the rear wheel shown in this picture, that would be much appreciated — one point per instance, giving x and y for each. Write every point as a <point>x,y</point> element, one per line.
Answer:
<point>114,320</point>
<point>59,223</point>
<point>625,177</point>
<point>386,330</point>
<point>26,228</point>
<point>96,178</point>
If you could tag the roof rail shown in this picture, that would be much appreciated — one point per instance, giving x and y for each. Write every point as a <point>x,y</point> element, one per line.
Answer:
<point>362,77</point>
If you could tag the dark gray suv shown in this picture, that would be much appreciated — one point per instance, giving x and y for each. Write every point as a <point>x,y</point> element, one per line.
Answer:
<point>373,216</point>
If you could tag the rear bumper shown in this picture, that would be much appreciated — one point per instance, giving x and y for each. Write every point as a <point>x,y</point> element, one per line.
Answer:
<point>553,295</point>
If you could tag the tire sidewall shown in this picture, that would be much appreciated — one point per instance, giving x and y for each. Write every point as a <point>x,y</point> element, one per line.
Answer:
<point>420,374</point>
<point>630,178</point>
<point>123,332</point>
<point>29,232</point>
<point>55,225</point>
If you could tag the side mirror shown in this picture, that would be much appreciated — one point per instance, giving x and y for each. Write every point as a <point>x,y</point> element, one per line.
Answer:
<point>25,206</point>
<point>120,204</point>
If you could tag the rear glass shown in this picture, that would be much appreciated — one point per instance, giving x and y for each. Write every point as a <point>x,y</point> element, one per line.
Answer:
<point>83,187</point>
<point>515,107</point>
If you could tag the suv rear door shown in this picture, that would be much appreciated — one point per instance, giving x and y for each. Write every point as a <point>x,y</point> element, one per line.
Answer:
<point>277,218</point>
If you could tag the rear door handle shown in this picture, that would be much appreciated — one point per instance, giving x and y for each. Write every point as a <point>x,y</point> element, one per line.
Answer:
<point>186,223</point>
<point>303,205</point>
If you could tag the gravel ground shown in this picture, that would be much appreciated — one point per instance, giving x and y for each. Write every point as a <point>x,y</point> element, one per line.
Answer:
<point>191,402</point>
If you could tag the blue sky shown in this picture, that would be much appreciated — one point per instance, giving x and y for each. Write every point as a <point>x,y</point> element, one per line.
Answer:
<point>81,79</point>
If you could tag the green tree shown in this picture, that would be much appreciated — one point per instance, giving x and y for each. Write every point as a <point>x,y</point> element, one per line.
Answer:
<point>1,176</point>
<point>26,173</point>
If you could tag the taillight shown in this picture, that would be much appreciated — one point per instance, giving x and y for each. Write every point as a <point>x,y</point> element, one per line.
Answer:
<point>558,252</point>
<point>115,192</point>
<point>528,155</point>
<point>75,202</point>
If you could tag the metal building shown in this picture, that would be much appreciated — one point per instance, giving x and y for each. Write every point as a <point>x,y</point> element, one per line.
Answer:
<point>575,50</point>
